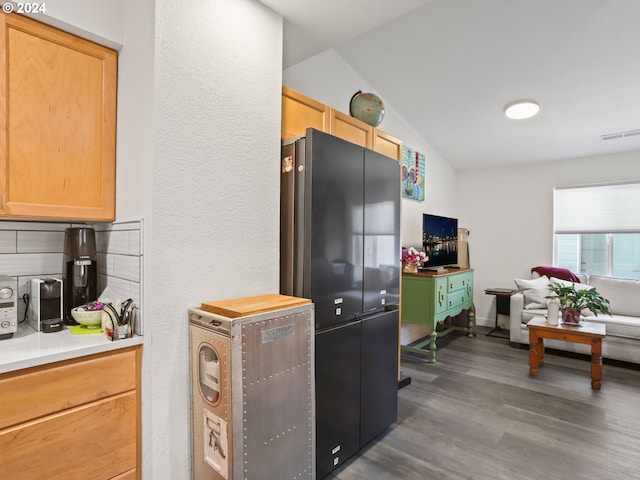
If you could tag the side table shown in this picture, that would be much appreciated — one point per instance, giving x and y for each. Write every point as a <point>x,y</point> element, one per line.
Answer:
<point>502,307</point>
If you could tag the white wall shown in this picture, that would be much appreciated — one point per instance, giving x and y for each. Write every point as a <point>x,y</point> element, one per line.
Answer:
<point>327,78</point>
<point>215,221</point>
<point>509,212</point>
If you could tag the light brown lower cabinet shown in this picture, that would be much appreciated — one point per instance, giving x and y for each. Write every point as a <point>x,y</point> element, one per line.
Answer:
<point>95,436</point>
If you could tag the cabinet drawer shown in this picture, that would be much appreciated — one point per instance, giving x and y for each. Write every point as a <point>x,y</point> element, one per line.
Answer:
<point>457,299</point>
<point>97,441</point>
<point>39,391</point>
<point>457,282</point>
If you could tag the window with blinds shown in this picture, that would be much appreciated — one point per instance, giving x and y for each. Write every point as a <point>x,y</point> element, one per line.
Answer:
<point>597,229</point>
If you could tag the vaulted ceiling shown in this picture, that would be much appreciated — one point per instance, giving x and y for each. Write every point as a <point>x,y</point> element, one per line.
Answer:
<point>449,67</point>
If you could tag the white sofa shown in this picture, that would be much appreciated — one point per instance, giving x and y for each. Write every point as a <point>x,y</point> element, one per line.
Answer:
<point>623,327</point>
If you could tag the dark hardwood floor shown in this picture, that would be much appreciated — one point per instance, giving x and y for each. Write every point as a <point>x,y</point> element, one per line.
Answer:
<point>477,414</point>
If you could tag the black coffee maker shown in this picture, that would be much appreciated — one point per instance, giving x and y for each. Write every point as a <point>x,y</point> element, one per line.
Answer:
<point>81,283</point>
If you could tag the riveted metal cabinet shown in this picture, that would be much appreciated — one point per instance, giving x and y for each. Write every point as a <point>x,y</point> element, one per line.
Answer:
<point>253,393</point>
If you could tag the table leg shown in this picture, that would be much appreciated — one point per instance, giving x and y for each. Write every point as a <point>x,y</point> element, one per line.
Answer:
<point>533,352</point>
<point>596,363</point>
<point>502,306</point>
<point>540,351</point>
<point>432,345</point>
<point>472,316</point>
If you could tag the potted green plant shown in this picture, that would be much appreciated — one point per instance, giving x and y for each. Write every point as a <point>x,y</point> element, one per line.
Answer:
<point>572,300</point>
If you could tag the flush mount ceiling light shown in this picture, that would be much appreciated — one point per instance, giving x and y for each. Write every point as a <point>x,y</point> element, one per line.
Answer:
<point>521,109</point>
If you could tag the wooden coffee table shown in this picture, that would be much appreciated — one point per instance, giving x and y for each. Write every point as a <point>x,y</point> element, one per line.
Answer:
<point>587,333</point>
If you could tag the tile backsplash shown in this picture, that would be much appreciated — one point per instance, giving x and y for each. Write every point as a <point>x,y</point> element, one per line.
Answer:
<point>36,249</point>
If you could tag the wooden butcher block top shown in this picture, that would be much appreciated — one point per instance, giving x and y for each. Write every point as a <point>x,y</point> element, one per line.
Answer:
<point>244,306</point>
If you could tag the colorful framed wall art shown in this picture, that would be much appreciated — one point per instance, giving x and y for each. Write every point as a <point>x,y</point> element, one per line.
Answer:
<point>413,168</point>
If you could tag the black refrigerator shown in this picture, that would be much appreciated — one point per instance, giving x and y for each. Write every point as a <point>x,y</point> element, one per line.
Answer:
<point>340,247</point>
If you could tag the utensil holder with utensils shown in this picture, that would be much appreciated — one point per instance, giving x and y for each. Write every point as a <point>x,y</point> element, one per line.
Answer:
<point>119,323</point>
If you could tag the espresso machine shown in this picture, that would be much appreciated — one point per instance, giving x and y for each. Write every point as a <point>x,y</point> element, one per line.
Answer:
<point>46,308</point>
<point>81,285</point>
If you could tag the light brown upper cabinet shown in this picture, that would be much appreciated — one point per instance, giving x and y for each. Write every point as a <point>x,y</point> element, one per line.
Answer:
<point>386,144</point>
<point>57,123</point>
<point>300,112</point>
<point>350,129</point>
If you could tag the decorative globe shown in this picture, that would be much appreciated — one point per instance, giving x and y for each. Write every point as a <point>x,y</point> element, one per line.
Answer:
<point>367,107</point>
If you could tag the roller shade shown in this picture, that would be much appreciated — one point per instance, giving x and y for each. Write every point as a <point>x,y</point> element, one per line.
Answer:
<point>611,208</point>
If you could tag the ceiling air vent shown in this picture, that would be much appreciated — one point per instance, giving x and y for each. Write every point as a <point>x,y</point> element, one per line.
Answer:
<point>615,136</point>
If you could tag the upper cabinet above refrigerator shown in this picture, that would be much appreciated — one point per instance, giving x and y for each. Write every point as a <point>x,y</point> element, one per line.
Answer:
<point>300,112</point>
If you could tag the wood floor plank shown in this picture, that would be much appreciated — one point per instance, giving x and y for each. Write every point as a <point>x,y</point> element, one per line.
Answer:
<point>476,414</point>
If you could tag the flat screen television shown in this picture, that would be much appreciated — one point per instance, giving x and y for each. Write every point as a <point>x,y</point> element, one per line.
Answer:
<point>440,240</point>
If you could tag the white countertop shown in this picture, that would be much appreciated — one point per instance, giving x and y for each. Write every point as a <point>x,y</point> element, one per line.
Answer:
<point>28,348</point>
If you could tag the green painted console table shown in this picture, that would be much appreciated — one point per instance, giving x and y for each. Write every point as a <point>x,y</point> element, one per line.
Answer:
<point>430,297</point>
